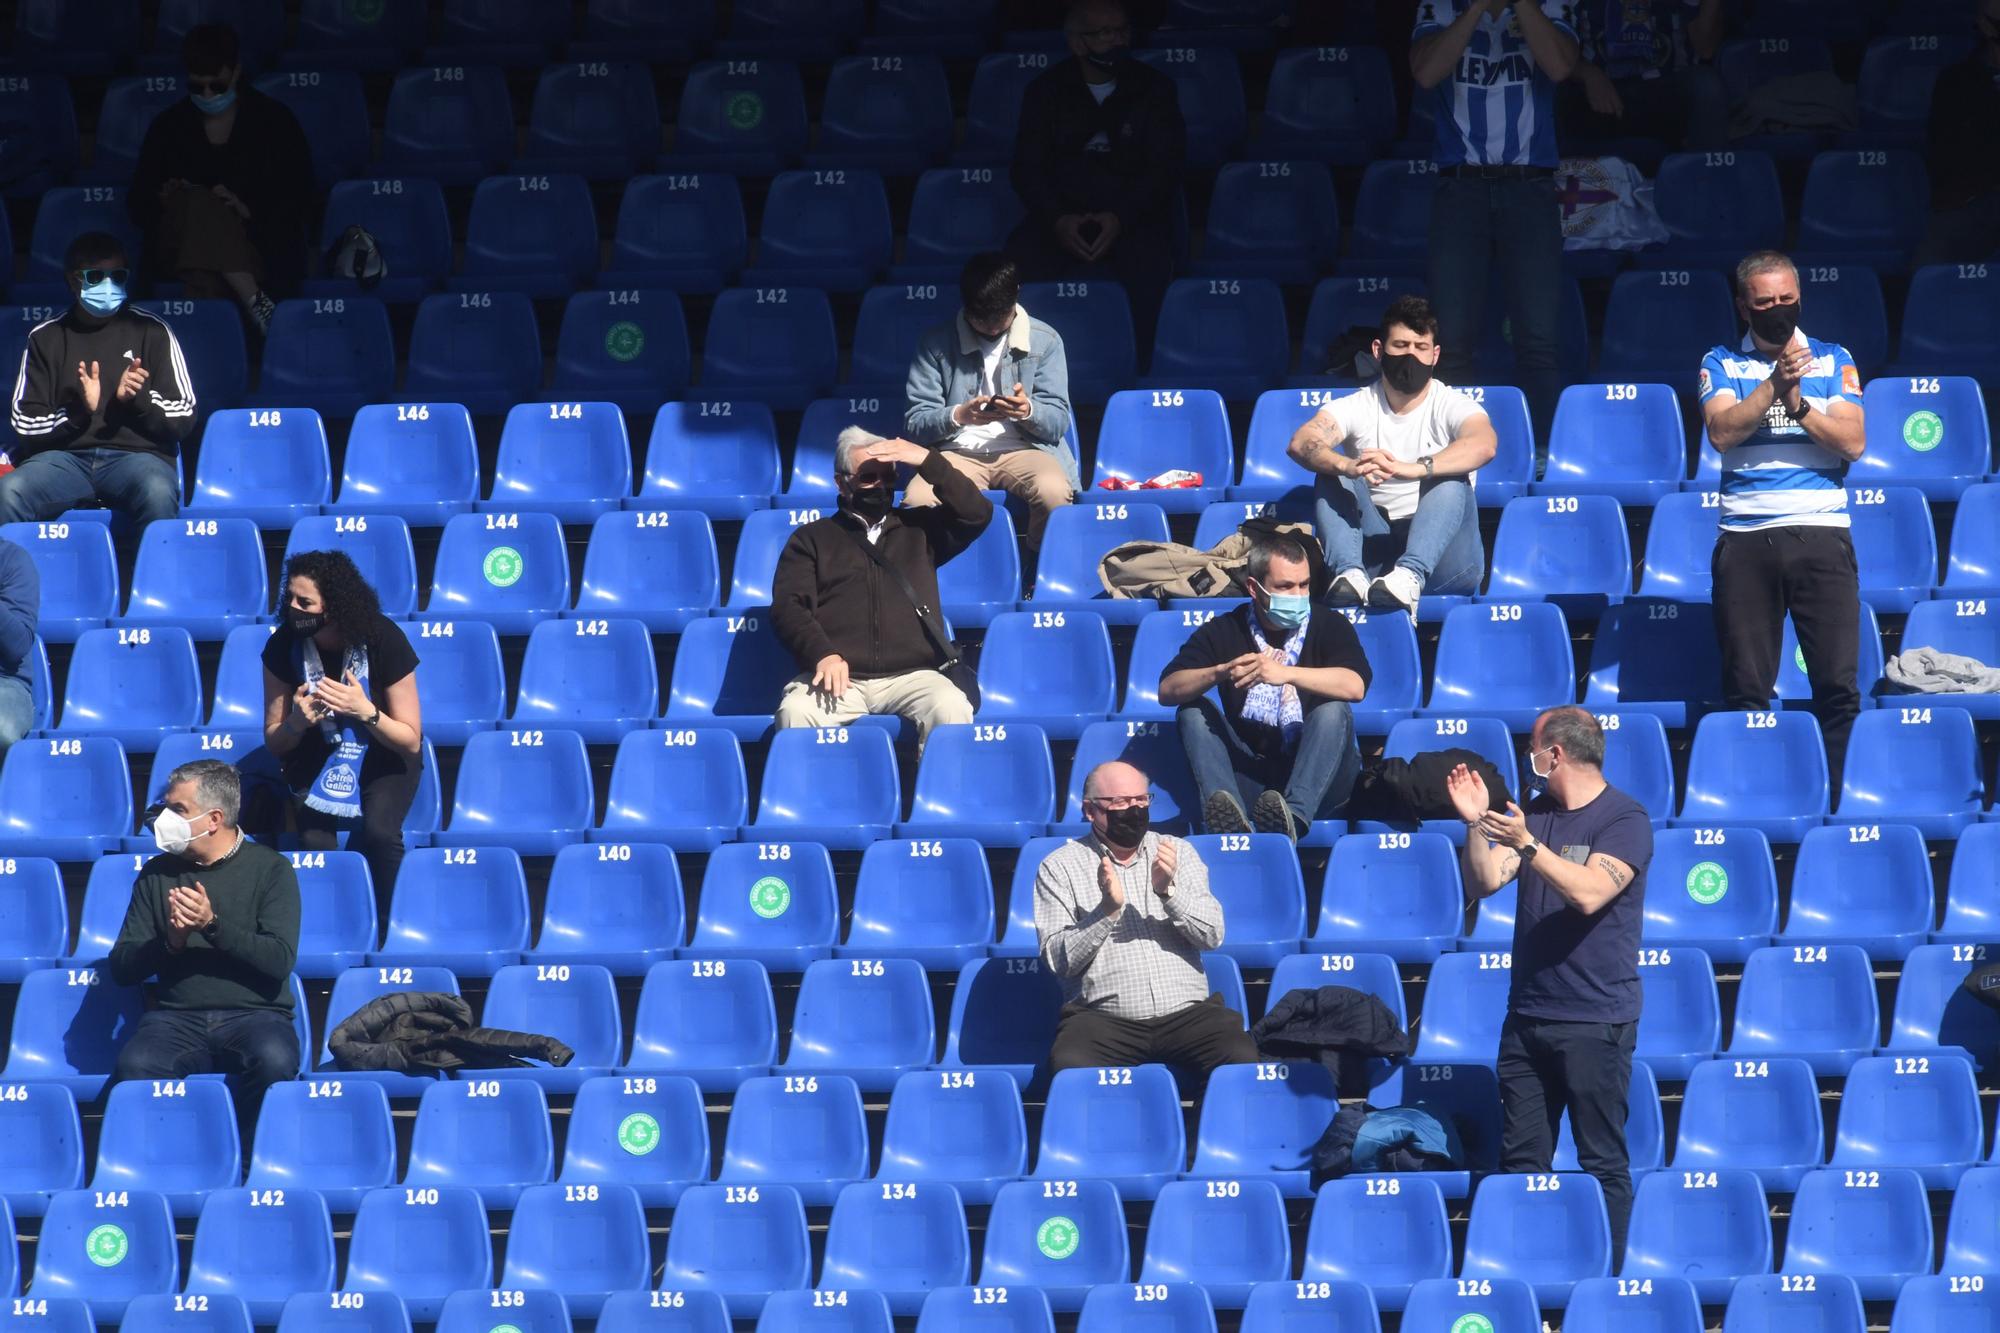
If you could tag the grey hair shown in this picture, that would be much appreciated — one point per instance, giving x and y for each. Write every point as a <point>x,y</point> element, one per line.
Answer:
<point>1576,730</point>
<point>1763,261</point>
<point>216,786</point>
<point>854,437</point>
<point>1277,546</point>
<point>1090,778</point>
<point>1073,21</point>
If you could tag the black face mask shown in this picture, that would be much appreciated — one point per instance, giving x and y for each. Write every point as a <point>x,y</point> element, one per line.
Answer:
<point>1126,827</point>
<point>1406,373</point>
<point>870,504</point>
<point>1111,58</point>
<point>1775,324</point>
<point>305,626</point>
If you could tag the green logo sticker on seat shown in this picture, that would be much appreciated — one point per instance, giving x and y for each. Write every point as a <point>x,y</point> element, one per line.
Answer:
<point>367,11</point>
<point>624,341</point>
<point>770,897</point>
<point>504,1328</point>
<point>744,110</point>
<point>638,1133</point>
<point>1799,657</point>
<point>107,1246</point>
<point>502,567</point>
<point>1058,1238</point>
<point>1923,431</point>
<point>1472,1323</point>
<point>1707,882</point>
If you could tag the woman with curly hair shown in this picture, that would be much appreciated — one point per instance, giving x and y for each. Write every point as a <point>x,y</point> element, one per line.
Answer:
<point>341,714</point>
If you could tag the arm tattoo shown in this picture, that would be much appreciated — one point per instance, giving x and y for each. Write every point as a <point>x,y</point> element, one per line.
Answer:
<point>1510,866</point>
<point>1610,867</point>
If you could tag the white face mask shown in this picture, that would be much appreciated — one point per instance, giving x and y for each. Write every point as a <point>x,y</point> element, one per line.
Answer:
<point>1540,776</point>
<point>172,832</point>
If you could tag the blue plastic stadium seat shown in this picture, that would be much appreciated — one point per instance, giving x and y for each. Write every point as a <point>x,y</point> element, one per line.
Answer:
<point>1388,1237</point>
<point>1276,220</point>
<point>1812,1001</point>
<point>1169,1307</point>
<point>332,108</point>
<point>1077,538</point>
<point>1150,1148</point>
<point>1658,319</point>
<point>534,1310</point>
<point>1638,761</point>
<point>866,1018</point>
<point>504,29</point>
<point>923,898</point>
<point>464,686</point>
<point>34,919</point>
<point>1049,669</point>
<point>1150,431</point>
<point>1706,1227</point>
<point>985,578</point>
<point>1003,1016</point>
<point>1028,1229</point>
<point>614,904</point>
<point>203,574</point>
<point>1391,893</point>
<point>648,1134</point>
<point>1392,213</point>
<point>460,907</point>
<point>480,348</point>
<point>599,119</point>
<point>1095,322</point>
<point>367,38</point>
<point>1372,973</point>
<point>508,569</point>
<point>212,347</point>
<point>728,672</point>
<point>719,456</point>
<point>696,1311</point>
<point>414,460</point>
<point>1000,81</point>
<point>1937,754</point>
<point>1018,937</point>
<point>1937,1304</point>
<point>953,1127</point>
<point>710,1019</point>
<point>1774,1303</point>
<point>1152,747</point>
<point>1548,1230</point>
<point>1847,211</point>
<point>1293,1307</point>
<point>452,124</point>
<point>801,1130</point>
<point>1715,205</point>
<point>1332,103</point>
<point>79,574</point>
<point>739,1241</point>
<point>1507,1305</point>
<point>1714,889</point>
<point>1971,573</point>
<point>67,1265</point>
<point>904,1240</point>
<point>1268,474</point>
<point>1655,656</point>
<point>1645,1130</point>
<point>1894,545</point>
<point>62,214</point>
<point>892,320</point>
<point>531,234</point>
<point>41,693</point>
<point>744,117</point>
<point>572,460</point>
<point>420,1244</point>
<point>203,1313</point>
<point>886,113</point>
<point>1160,637</point>
<point>262,1246</point>
<point>658,566</point>
<point>684,787</point>
<point>1463,1006</point>
<point>379,546</point>
<point>176,1137</point>
<point>136,686</point>
<point>682,232</point>
<point>1225,334</point>
<point>956,213</point>
<point>46,151</point>
<point>1210,84</point>
<point>963,1309</point>
<point>332,354</point>
<point>1872,1226</point>
<point>1679,544</point>
<point>1921,1113</point>
<point>576,1003</point>
<point>837,786</point>
<point>42,1155</point>
<point>1759,770</point>
<point>1571,549</point>
<point>627,347</point>
<point>1621,440</point>
<point>1257,881</point>
<point>1968,1242</point>
<point>1506,660</point>
<point>356,988</point>
<point>1848,297</point>
<point>528,790</point>
<point>594,677</point>
<point>929,25</point>
<point>1960,624</point>
<point>1261,1121</point>
<point>335,1138</point>
<point>1225,1235</point>
<point>1865,884</point>
<point>69,799</point>
<point>1682,1023</point>
<point>773,344</point>
<point>804,31</point>
<point>486,1133</point>
<point>828,1310</point>
<point>579,1242</point>
<point>1955,330</point>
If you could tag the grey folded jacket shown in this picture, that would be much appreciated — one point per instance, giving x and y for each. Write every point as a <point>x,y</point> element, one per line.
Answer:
<point>1928,671</point>
<point>426,1030</point>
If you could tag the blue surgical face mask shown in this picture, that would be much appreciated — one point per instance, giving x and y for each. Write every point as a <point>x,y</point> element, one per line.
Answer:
<point>1287,610</point>
<point>103,297</point>
<point>216,105</point>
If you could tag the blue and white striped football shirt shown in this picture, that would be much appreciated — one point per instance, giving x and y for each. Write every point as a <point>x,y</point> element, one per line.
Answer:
<point>1498,108</point>
<point>1779,477</point>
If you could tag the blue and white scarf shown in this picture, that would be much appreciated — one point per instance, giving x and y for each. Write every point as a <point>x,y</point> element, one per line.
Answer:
<point>1277,705</point>
<point>337,789</point>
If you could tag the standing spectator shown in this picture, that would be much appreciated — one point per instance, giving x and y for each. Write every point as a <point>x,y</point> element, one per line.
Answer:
<point>1965,169</point>
<point>862,644</point>
<point>1495,65</point>
<point>1282,741</point>
<point>223,188</point>
<point>1124,917</point>
<point>1097,163</point>
<point>990,392</point>
<point>1648,71</point>
<point>214,921</point>
<point>342,713</point>
<point>1784,410</point>
<point>1580,853</point>
<point>101,403</point>
<point>1396,511</point>
<point>20,610</point>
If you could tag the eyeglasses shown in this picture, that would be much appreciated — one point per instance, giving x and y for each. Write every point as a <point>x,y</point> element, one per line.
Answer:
<point>1103,34</point>
<point>92,276</point>
<point>1121,802</point>
<point>208,87</point>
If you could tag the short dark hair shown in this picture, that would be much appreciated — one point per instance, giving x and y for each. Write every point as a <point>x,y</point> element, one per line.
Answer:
<point>989,286</point>
<point>216,785</point>
<point>1413,313</point>
<point>210,47</point>
<point>94,247</point>
<point>1576,730</point>
<point>1277,546</point>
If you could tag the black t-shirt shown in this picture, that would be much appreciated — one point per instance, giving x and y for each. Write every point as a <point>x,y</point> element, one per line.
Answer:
<point>390,659</point>
<point>1330,642</point>
<point>1569,966</point>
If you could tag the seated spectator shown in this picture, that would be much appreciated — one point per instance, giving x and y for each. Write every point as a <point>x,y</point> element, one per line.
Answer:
<point>1124,915</point>
<point>1395,458</point>
<point>1097,164</point>
<point>990,392</point>
<point>1965,170</point>
<point>341,711</point>
<point>223,188</point>
<point>1282,741</point>
<point>101,402</point>
<point>1648,71</point>
<point>214,921</point>
<point>841,598</point>
<point>20,609</point>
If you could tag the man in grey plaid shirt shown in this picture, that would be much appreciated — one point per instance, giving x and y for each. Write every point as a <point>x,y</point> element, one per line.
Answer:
<point>1124,915</point>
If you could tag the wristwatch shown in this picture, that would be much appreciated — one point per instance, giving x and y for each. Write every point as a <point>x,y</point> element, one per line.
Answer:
<point>372,718</point>
<point>208,931</point>
<point>1430,465</point>
<point>1528,852</point>
<point>1805,408</point>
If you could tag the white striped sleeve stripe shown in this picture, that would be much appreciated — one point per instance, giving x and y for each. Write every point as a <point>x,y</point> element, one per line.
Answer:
<point>23,423</point>
<point>173,407</point>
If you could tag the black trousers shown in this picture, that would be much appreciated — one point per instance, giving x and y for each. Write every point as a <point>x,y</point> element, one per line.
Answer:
<point>1141,260</point>
<point>385,804</point>
<point>1811,573</point>
<point>253,1047</point>
<point>1548,1067</point>
<point>1197,1038</point>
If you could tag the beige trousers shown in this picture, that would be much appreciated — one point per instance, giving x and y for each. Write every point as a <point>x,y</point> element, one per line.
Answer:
<point>925,697</point>
<point>1035,478</point>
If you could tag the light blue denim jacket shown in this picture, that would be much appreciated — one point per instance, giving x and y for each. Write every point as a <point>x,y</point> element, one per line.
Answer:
<point>946,372</point>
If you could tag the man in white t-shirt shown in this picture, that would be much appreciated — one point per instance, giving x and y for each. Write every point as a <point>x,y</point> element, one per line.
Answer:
<point>1395,461</point>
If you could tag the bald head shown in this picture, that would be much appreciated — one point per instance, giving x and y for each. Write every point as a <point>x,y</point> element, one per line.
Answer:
<point>1108,781</point>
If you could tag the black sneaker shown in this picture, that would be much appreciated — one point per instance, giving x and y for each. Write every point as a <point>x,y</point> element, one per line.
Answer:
<point>1272,815</point>
<point>261,310</point>
<point>1223,813</point>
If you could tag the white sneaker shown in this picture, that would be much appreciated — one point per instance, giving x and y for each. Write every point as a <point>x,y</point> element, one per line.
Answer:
<point>1399,588</point>
<point>1350,588</point>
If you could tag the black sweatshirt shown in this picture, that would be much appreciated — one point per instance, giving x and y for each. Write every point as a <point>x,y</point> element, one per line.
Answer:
<point>248,964</point>
<point>48,392</point>
<point>829,597</point>
<point>1134,175</point>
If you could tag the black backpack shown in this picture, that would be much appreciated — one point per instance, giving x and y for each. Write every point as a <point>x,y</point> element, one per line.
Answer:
<point>1406,790</point>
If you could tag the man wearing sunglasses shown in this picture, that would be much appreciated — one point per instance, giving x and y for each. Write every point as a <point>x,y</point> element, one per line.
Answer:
<point>102,400</point>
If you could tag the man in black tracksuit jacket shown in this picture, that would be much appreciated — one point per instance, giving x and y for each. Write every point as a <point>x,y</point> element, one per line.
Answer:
<point>860,644</point>
<point>101,403</point>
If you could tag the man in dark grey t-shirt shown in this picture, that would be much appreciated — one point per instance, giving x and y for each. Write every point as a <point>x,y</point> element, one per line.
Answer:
<point>1580,853</point>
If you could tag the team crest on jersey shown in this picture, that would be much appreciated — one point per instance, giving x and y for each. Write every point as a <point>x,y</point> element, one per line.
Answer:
<point>1850,380</point>
<point>1706,382</point>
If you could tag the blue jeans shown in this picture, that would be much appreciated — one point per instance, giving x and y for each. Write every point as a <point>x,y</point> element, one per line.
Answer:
<point>17,710</point>
<point>138,487</point>
<point>253,1047</point>
<point>1316,778</point>
<point>1477,222</point>
<point>1439,543</point>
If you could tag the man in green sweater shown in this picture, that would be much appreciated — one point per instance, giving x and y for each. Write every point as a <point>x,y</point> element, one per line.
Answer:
<point>214,921</point>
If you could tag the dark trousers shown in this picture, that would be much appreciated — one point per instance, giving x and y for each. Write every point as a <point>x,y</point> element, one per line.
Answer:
<point>1197,1039</point>
<point>1810,572</point>
<point>1547,1067</point>
<point>254,1047</point>
<point>385,804</point>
